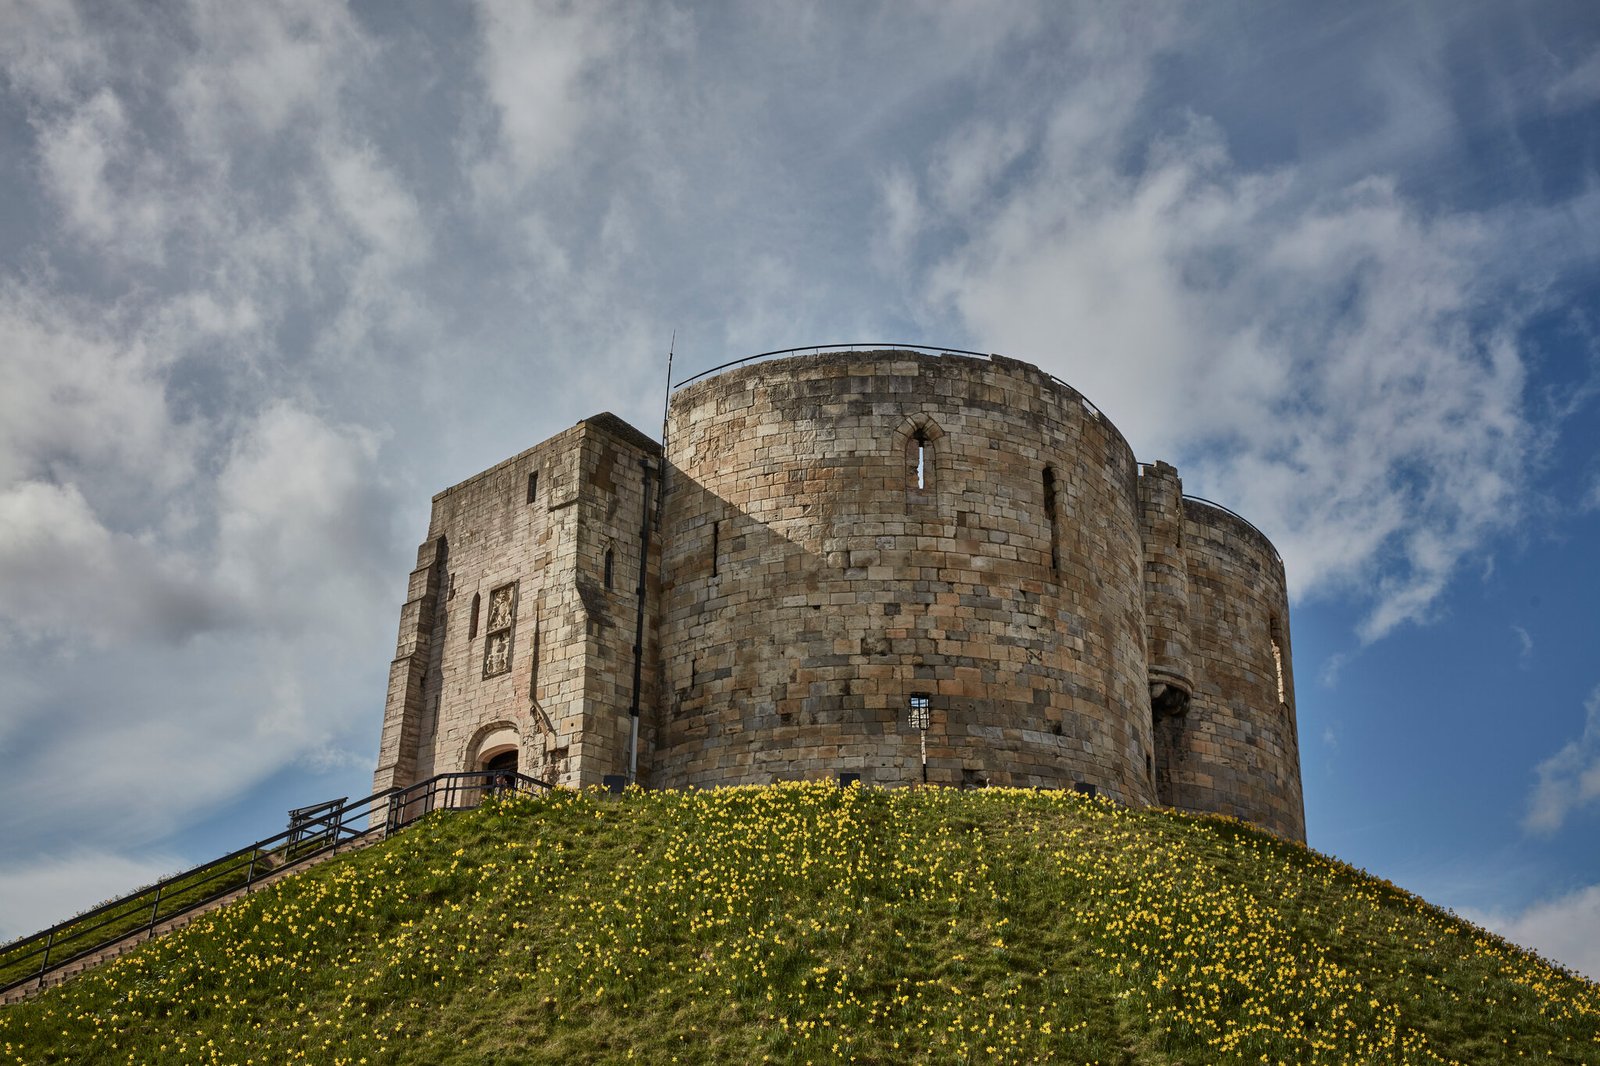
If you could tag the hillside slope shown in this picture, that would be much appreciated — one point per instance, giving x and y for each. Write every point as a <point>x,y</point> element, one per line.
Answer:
<point>808,923</point>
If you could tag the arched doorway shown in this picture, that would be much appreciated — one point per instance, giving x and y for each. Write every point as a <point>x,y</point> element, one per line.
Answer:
<point>503,764</point>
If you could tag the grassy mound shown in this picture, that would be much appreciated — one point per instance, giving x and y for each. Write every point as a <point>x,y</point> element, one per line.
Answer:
<point>803,923</point>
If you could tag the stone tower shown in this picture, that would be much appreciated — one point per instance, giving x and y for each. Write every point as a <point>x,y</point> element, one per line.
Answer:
<point>885,564</point>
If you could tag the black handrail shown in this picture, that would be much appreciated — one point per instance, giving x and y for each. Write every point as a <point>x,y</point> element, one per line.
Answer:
<point>313,831</point>
<point>896,346</point>
<point>892,346</point>
<point>1240,517</point>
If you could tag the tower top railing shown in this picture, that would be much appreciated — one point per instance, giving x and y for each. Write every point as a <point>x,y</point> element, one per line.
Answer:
<point>859,346</point>
<point>901,346</point>
<point>1214,505</point>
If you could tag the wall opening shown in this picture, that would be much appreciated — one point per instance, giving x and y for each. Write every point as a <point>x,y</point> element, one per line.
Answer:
<point>533,665</point>
<point>716,545</point>
<point>472,619</point>
<point>504,760</point>
<point>1275,629</point>
<point>1050,515</point>
<point>919,461</point>
<point>611,559</point>
<point>918,436</point>
<point>533,485</point>
<point>503,764</point>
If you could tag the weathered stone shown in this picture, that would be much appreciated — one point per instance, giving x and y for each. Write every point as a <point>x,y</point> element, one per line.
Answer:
<point>843,533</point>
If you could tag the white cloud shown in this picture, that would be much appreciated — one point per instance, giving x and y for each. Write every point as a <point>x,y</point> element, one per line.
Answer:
<point>1565,929</point>
<point>1579,86</point>
<point>546,69</point>
<point>36,896</point>
<point>78,154</point>
<point>970,161</point>
<point>1569,780</point>
<point>46,50</point>
<point>1591,498</point>
<point>62,573</point>
<point>902,218</point>
<point>300,506</point>
<point>260,70</point>
<point>1524,646</point>
<point>1321,363</point>
<point>81,401</point>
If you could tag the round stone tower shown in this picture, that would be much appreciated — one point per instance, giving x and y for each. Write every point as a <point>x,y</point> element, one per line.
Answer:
<point>882,565</point>
<point>873,554</point>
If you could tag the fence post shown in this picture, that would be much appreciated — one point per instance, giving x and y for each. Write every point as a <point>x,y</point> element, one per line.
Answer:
<point>154,907</point>
<point>49,941</point>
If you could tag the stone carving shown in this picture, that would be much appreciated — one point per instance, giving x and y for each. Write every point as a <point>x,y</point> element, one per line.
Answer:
<point>497,658</point>
<point>500,602</point>
<point>497,648</point>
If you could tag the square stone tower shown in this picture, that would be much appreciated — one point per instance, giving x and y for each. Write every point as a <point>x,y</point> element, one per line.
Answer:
<point>517,644</point>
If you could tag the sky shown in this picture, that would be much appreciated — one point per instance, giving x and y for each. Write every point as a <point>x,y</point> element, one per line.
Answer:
<point>273,274</point>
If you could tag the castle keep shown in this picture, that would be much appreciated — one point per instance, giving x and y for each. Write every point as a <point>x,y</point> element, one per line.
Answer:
<point>885,564</point>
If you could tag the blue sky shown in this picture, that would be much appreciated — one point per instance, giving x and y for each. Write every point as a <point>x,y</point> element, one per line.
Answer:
<point>271,275</point>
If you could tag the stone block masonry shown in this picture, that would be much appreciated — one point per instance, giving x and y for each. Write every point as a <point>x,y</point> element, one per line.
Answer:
<point>861,556</point>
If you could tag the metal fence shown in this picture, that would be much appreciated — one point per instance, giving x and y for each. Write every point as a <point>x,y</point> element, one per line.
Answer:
<point>313,831</point>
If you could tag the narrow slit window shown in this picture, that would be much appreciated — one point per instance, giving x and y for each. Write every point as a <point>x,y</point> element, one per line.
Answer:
<point>921,457</point>
<point>472,619</point>
<point>1277,659</point>
<point>533,485</point>
<point>611,559</point>
<point>1050,515</point>
<point>716,545</point>
<point>533,664</point>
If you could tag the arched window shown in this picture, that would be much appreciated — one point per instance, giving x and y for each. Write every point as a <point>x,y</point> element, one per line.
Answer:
<point>919,441</point>
<point>472,619</point>
<point>611,559</point>
<point>1050,516</point>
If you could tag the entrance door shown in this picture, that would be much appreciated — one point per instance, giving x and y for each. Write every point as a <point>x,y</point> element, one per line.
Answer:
<point>504,767</point>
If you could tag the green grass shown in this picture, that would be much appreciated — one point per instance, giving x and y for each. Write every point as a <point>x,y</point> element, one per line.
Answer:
<point>812,924</point>
<point>21,958</point>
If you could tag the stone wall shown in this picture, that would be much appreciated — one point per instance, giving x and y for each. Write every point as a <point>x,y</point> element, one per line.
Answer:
<point>812,587</point>
<point>523,646</point>
<point>853,545</point>
<point>1236,750</point>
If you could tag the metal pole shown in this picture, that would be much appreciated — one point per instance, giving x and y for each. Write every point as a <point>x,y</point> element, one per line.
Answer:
<point>645,527</point>
<point>154,907</point>
<point>49,941</point>
<point>638,622</point>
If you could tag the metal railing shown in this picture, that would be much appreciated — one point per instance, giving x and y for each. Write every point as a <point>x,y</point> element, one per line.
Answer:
<point>864,346</point>
<point>896,346</point>
<point>1230,511</point>
<point>313,831</point>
